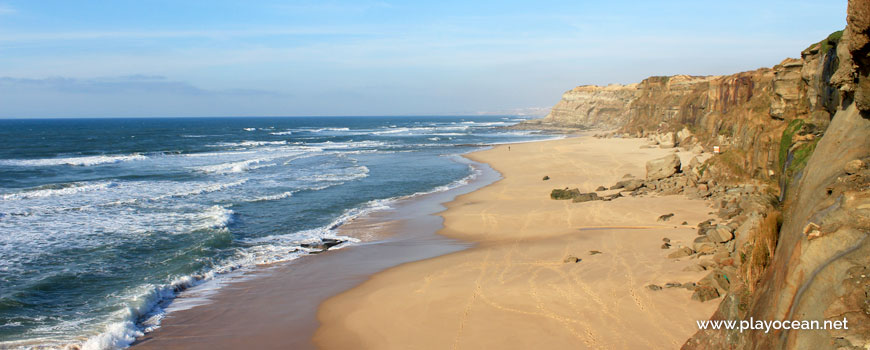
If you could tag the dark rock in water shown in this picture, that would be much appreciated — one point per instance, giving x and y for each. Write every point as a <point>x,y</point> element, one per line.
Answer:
<point>546,177</point>
<point>571,259</point>
<point>594,252</point>
<point>666,217</point>
<point>654,287</point>
<point>323,244</point>
<point>564,194</point>
<point>601,188</point>
<point>585,197</point>
<point>704,293</point>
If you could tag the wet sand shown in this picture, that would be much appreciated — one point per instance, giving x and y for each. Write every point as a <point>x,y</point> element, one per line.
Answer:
<point>275,307</point>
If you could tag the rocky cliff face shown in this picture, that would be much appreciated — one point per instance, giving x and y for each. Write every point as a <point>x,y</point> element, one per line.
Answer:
<point>592,106</point>
<point>799,130</point>
<point>820,269</point>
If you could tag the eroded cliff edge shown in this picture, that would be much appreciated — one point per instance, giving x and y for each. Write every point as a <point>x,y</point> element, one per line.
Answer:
<point>792,181</point>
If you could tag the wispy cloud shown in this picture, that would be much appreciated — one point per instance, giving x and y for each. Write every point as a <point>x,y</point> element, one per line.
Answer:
<point>7,10</point>
<point>333,7</point>
<point>131,84</point>
<point>178,34</point>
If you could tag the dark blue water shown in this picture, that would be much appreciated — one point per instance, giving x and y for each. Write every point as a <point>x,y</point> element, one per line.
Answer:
<point>102,221</point>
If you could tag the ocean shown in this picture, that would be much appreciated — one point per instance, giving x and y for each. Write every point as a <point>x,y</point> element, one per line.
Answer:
<point>104,221</point>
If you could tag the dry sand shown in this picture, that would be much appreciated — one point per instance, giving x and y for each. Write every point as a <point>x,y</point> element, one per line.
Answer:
<point>512,290</point>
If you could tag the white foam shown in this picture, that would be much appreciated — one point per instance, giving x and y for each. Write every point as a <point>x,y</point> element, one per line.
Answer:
<point>236,167</point>
<point>273,197</point>
<point>74,161</point>
<point>72,188</point>
<point>215,217</point>
<point>281,133</point>
<point>249,143</point>
<point>249,129</point>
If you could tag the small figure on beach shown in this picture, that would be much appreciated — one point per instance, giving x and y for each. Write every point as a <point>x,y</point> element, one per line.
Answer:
<point>509,148</point>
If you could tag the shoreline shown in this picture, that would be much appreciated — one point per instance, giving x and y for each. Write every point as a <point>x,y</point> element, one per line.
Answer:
<point>406,232</point>
<point>514,277</point>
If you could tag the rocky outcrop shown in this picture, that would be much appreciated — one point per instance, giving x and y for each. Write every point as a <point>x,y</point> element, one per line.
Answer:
<point>816,265</point>
<point>663,167</point>
<point>592,106</point>
<point>791,185</point>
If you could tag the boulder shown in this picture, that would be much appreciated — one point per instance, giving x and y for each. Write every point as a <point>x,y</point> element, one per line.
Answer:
<point>704,293</point>
<point>720,234</point>
<point>564,194</point>
<point>570,259</point>
<point>703,243</point>
<point>853,166</point>
<point>683,136</point>
<point>546,178</point>
<point>681,253</point>
<point>666,217</point>
<point>323,244</point>
<point>628,185</point>
<point>601,188</point>
<point>662,167</point>
<point>585,197</point>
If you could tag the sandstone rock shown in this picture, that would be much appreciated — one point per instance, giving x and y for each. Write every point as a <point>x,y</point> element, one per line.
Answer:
<point>662,167</point>
<point>628,185</point>
<point>570,259</point>
<point>745,230</point>
<point>666,217</point>
<point>673,285</point>
<point>594,252</point>
<point>601,188</point>
<point>546,178</point>
<point>564,194</point>
<point>697,149</point>
<point>694,268</point>
<point>704,293</point>
<point>585,197</point>
<point>683,136</point>
<point>592,106</point>
<point>721,234</point>
<point>701,242</point>
<point>681,253</point>
<point>666,245</point>
<point>654,287</point>
<point>854,166</point>
<point>666,240</point>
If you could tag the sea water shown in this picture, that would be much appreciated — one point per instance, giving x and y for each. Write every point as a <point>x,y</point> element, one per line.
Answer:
<point>104,221</point>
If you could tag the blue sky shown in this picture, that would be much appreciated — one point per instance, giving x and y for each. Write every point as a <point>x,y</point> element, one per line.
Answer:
<point>226,58</point>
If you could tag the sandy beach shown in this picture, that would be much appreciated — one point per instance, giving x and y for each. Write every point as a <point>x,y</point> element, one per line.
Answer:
<point>512,288</point>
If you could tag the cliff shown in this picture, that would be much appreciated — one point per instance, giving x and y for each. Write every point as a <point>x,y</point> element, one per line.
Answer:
<point>592,106</point>
<point>791,184</point>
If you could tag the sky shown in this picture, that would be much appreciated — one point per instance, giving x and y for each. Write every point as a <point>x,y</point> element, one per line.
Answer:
<point>143,58</point>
